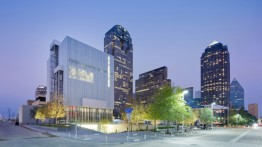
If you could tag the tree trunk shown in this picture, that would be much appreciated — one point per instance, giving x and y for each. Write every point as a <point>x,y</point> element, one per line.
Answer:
<point>155,125</point>
<point>167,126</point>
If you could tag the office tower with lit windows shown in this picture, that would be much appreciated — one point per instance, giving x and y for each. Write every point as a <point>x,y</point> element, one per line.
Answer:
<point>236,95</point>
<point>83,76</point>
<point>149,82</point>
<point>215,75</point>
<point>253,109</point>
<point>118,43</point>
<point>40,93</point>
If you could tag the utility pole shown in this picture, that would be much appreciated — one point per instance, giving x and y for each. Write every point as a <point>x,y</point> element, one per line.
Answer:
<point>8,113</point>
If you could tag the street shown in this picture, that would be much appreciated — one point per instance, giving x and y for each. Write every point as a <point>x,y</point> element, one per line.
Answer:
<point>17,136</point>
<point>231,137</point>
<point>12,136</point>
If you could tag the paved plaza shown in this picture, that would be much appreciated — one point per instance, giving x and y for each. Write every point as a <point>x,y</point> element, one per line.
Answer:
<point>30,136</point>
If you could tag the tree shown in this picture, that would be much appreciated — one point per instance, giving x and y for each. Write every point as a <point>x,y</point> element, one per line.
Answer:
<point>103,121</point>
<point>241,117</point>
<point>168,104</point>
<point>40,113</point>
<point>55,108</point>
<point>138,114</point>
<point>33,113</point>
<point>206,115</point>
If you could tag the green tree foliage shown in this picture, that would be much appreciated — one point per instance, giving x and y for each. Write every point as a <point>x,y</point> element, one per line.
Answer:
<point>241,117</point>
<point>40,113</point>
<point>169,105</point>
<point>138,114</point>
<point>206,115</point>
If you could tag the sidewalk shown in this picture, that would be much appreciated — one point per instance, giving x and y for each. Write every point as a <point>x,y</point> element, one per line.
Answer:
<point>116,138</point>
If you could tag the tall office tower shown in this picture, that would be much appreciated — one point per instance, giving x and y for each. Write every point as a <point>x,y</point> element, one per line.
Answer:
<point>253,109</point>
<point>236,95</point>
<point>82,75</point>
<point>215,74</point>
<point>149,82</point>
<point>40,93</point>
<point>118,43</point>
<point>198,94</point>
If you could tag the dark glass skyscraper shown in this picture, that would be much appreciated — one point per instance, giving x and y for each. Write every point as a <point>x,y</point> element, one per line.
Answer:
<point>118,43</point>
<point>236,95</point>
<point>149,82</point>
<point>215,74</point>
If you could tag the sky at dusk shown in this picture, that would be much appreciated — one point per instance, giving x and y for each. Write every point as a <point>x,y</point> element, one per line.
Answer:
<point>172,33</point>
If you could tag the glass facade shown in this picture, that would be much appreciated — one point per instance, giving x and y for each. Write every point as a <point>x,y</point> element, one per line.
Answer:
<point>149,82</point>
<point>118,43</point>
<point>236,95</point>
<point>82,76</point>
<point>215,75</point>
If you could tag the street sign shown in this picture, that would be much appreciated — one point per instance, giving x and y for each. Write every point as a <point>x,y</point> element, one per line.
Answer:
<point>128,110</point>
<point>128,113</point>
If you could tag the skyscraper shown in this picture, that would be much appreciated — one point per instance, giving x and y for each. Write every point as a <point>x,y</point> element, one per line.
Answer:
<point>149,82</point>
<point>40,93</point>
<point>118,43</point>
<point>215,74</point>
<point>253,109</point>
<point>236,95</point>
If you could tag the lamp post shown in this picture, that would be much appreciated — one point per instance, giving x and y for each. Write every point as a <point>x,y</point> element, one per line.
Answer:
<point>183,94</point>
<point>212,107</point>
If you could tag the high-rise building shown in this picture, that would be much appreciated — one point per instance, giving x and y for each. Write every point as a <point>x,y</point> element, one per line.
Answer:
<point>118,43</point>
<point>215,75</point>
<point>149,82</point>
<point>253,109</point>
<point>83,76</point>
<point>236,95</point>
<point>198,94</point>
<point>40,93</point>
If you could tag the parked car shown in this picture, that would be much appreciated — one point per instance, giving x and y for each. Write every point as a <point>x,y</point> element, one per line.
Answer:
<point>17,123</point>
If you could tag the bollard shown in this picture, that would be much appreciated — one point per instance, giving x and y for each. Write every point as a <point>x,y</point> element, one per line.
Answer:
<point>164,134</point>
<point>144,137</point>
<point>126,138</point>
<point>106,139</point>
<point>69,135</point>
<point>75,136</point>
<point>155,134</point>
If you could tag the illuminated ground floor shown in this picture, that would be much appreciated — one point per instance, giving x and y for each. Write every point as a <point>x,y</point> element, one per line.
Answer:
<point>78,114</point>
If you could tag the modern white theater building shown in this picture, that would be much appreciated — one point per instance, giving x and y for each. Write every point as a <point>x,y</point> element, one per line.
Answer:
<point>84,76</point>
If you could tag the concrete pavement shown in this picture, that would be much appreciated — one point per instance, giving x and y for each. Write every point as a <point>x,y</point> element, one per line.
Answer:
<point>11,135</point>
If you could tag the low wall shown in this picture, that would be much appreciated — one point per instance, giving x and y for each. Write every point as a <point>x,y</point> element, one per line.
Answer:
<point>115,128</point>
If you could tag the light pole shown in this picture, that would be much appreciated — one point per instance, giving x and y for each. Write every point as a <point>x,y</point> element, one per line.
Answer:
<point>183,94</point>
<point>212,107</point>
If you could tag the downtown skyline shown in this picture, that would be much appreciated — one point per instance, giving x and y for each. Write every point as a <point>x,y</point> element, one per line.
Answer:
<point>172,34</point>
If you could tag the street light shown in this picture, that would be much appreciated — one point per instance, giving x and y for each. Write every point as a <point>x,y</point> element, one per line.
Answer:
<point>212,107</point>
<point>183,94</point>
<point>237,118</point>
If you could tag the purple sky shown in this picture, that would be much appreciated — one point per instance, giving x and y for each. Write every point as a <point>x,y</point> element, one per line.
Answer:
<point>173,33</point>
